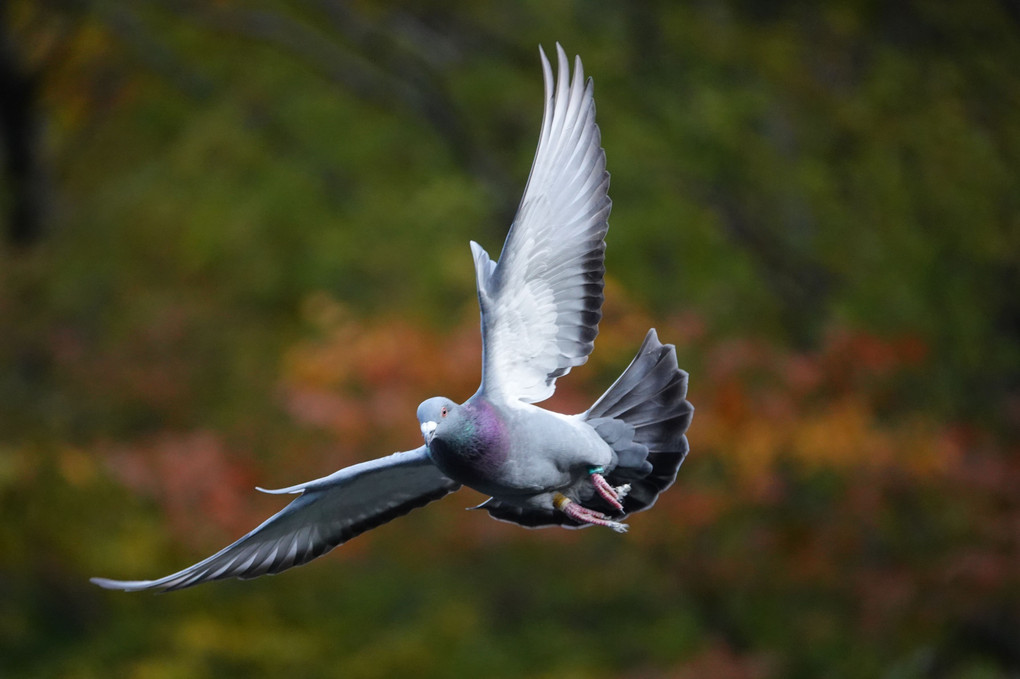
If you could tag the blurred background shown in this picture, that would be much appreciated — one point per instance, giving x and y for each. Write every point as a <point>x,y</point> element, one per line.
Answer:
<point>234,251</point>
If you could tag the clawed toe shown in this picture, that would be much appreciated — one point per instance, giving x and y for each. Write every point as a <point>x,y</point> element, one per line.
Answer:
<point>584,515</point>
<point>611,495</point>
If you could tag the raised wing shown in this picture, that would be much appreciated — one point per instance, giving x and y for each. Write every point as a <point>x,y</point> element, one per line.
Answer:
<point>330,511</point>
<point>542,302</point>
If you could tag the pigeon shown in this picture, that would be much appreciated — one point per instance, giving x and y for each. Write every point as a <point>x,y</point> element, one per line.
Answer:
<point>540,309</point>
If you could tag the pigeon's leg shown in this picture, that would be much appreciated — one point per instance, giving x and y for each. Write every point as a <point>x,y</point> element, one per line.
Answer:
<point>585,515</point>
<point>606,491</point>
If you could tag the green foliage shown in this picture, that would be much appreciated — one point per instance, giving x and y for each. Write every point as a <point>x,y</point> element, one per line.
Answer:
<point>255,265</point>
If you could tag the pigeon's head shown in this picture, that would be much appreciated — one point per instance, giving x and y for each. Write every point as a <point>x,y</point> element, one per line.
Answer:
<point>433,414</point>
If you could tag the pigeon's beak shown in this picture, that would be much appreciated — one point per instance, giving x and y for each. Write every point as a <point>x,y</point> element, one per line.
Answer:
<point>428,430</point>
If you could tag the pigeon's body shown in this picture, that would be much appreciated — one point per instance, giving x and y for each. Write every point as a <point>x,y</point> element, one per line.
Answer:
<point>516,452</point>
<point>540,304</point>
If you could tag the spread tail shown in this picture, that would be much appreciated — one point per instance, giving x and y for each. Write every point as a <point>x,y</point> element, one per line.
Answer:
<point>644,416</point>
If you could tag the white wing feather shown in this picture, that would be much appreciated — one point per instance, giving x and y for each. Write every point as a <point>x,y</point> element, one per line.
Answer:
<point>541,303</point>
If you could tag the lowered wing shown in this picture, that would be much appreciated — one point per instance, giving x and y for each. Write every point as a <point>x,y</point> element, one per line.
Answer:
<point>329,511</point>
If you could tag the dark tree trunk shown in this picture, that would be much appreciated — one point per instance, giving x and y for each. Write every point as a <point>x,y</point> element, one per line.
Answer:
<point>19,136</point>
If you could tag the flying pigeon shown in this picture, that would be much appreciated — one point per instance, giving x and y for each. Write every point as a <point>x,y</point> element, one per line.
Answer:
<point>540,308</point>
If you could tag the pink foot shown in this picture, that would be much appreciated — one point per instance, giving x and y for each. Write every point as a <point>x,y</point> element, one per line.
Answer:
<point>585,515</point>
<point>607,492</point>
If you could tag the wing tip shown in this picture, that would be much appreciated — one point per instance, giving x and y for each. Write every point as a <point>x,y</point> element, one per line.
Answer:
<point>290,490</point>
<point>561,54</point>
<point>122,585</point>
<point>484,267</point>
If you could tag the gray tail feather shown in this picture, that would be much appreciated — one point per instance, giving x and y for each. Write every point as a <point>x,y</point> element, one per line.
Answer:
<point>644,416</point>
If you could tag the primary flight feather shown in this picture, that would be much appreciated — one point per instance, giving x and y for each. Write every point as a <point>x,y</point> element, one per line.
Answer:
<point>540,306</point>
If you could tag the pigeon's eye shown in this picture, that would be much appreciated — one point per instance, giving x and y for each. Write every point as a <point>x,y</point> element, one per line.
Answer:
<point>443,412</point>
